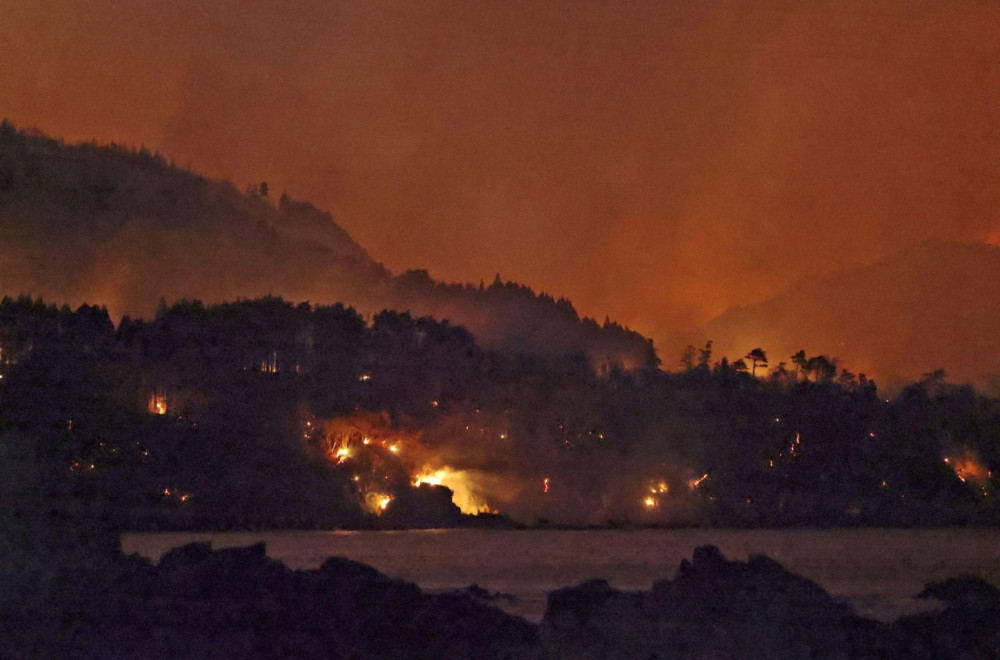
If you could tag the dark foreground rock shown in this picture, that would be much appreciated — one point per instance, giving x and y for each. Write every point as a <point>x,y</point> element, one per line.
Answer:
<point>713,608</point>
<point>969,625</point>
<point>237,603</point>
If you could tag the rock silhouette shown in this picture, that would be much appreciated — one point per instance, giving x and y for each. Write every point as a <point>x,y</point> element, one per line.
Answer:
<point>238,603</point>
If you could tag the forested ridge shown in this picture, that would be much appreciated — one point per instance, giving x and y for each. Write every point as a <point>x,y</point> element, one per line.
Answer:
<point>265,413</point>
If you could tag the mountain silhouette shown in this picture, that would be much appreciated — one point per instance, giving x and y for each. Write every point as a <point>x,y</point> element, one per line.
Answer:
<point>933,305</point>
<point>124,228</point>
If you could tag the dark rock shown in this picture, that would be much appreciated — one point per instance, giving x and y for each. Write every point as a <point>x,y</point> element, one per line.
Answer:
<point>964,589</point>
<point>186,555</point>
<point>480,595</point>
<point>580,603</point>
<point>237,603</point>
<point>423,506</point>
<point>713,608</point>
<point>969,627</point>
<point>347,569</point>
<point>199,603</point>
<point>708,556</point>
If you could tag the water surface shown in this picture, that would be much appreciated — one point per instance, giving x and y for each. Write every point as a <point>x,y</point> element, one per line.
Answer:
<point>876,571</point>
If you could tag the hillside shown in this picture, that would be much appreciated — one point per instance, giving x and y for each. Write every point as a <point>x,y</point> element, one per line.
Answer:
<point>123,228</point>
<point>933,305</point>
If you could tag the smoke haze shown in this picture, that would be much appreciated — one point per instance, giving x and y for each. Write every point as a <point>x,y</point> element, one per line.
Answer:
<point>657,163</point>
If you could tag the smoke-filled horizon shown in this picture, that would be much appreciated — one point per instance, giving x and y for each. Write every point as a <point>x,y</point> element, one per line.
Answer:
<point>656,162</point>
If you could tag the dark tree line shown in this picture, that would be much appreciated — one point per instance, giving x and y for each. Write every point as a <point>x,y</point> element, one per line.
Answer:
<point>81,403</point>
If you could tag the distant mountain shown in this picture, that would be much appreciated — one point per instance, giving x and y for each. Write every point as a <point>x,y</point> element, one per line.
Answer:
<point>933,305</point>
<point>123,228</point>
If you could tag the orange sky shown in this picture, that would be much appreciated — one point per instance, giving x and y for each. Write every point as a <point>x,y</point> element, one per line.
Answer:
<point>655,161</point>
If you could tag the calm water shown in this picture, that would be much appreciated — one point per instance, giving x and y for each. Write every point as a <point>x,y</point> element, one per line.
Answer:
<point>876,571</point>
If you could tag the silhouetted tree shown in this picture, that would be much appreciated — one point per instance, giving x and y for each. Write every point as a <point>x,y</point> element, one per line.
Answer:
<point>801,363</point>
<point>847,379</point>
<point>781,375</point>
<point>824,367</point>
<point>757,357</point>
<point>687,358</point>
<point>705,355</point>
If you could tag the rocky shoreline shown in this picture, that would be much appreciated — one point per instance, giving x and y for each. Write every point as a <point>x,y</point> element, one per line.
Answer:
<point>238,603</point>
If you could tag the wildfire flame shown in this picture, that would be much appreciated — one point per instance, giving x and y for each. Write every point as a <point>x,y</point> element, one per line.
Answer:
<point>970,470</point>
<point>157,404</point>
<point>461,484</point>
<point>269,365</point>
<point>656,490</point>
<point>377,502</point>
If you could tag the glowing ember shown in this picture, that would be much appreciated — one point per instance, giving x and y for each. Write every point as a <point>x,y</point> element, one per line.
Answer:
<point>545,485</point>
<point>650,502</point>
<point>694,483</point>
<point>342,454</point>
<point>157,404</point>
<point>269,365</point>
<point>970,470</point>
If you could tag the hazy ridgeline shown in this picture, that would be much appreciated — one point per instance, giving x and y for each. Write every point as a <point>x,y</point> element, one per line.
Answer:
<point>931,305</point>
<point>122,229</point>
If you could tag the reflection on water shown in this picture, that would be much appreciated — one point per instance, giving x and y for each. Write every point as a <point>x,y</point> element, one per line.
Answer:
<point>878,571</point>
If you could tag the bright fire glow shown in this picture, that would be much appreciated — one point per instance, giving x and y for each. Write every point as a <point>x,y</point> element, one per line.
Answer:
<point>377,502</point>
<point>461,484</point>
<point>157,404</point>
<point>656,490</point>
<point>425,477</point>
